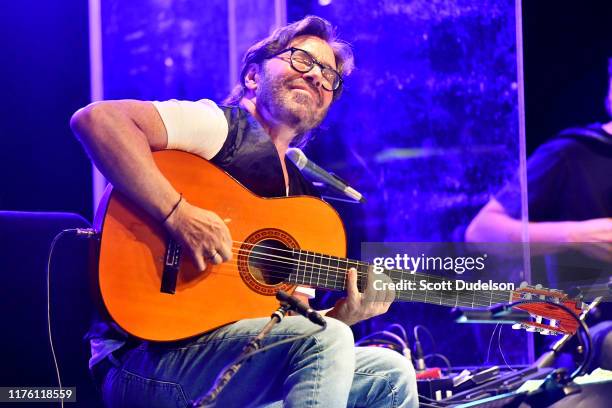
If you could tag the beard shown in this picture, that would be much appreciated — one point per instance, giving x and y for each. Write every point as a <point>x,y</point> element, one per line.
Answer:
<point>298,110</point>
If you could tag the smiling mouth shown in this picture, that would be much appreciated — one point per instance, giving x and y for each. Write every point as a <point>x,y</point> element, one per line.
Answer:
<point>312,95</point>
<point>303,90</point>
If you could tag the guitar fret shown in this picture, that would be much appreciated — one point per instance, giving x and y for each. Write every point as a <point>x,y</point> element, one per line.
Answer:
<point>320,266</point>
<point>302,277</point>
<point>353,264</point>
<point>317,265</point>
<point>307,267</point>
<point>304,270</point>
<point>326,271</point>
<point>291,276</point>
<point>337,268</point>
<point>363,269</point>
<point>302,266</point>
<point>339,272</point>
<point>313,265</point>
<point>297,269</point>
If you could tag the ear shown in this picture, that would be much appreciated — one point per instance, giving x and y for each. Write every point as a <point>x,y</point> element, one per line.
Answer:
<point>251,78</point>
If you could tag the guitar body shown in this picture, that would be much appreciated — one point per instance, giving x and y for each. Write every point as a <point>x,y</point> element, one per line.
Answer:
<point>133,252</point>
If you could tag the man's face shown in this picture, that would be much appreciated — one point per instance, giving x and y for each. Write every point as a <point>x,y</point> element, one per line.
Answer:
<point>297,99</point>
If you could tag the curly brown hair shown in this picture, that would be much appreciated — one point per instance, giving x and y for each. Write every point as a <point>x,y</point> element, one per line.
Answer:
<point>281,37</point>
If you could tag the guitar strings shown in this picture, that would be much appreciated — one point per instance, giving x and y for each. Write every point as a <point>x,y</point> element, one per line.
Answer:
<point>337,259</point>
<point>435,296</point>
<point>339,280</point>
<point>301,251</point>
<point>403,295</point>
<point>340,274</point>
<point>298,263</point>
<point>425,298</point>
<point>360,273</point>
<point>438,297</point>
<point>500,296</point>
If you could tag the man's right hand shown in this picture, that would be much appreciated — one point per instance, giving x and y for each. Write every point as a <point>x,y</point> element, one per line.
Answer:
<point>203,233</point>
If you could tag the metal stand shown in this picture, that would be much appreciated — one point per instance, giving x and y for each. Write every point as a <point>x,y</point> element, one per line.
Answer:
<point>209,400</point>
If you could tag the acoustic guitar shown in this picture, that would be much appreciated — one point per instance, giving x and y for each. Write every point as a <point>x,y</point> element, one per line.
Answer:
<point>154,291</point>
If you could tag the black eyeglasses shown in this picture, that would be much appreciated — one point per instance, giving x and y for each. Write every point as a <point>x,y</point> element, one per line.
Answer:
<point>303,62</point>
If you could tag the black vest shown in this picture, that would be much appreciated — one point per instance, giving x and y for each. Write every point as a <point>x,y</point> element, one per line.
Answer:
<point>250,157</point>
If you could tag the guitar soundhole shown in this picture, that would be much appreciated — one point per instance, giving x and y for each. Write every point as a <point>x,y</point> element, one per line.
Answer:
<point>271,262</point>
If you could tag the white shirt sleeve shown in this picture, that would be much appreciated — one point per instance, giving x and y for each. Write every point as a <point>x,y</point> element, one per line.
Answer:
<point>195,127</point>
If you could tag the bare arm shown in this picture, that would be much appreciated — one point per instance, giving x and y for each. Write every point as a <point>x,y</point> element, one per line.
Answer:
<point>119,137</point>
<point>494,224</point>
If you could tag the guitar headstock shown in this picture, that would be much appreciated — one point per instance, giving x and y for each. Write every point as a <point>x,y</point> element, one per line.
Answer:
<point>558,320</point>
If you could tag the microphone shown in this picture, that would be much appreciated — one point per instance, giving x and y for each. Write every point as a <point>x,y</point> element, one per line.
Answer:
<point>301,308</point>
<point>313,171</point>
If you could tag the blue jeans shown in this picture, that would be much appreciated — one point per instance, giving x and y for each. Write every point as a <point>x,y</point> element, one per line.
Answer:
<point>324,370</point>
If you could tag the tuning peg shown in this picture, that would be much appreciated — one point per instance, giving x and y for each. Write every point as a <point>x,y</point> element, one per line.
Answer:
<point>559,291</point>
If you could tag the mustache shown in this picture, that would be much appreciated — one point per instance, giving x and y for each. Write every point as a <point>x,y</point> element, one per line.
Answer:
<point>301,82</point>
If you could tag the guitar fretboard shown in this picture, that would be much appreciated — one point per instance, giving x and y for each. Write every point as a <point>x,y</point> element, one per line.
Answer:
<point>329,272</point>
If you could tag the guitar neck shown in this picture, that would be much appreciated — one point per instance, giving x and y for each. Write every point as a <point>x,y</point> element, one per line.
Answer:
<point>329,272</point>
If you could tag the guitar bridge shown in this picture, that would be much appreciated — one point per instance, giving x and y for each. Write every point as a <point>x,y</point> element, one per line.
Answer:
<point>171,267</point>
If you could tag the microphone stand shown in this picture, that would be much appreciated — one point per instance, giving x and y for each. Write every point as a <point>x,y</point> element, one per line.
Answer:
<point>209,400</point>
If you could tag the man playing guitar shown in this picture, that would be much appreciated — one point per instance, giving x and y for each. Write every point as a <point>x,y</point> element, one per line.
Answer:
<point>288,82</point>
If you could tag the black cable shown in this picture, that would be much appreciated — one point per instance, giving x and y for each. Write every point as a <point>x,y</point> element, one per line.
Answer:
<point>401,329</point>
<point>441,357</point>
<point>387,334</point>
<point>431,337</point>
<point>81,232</point>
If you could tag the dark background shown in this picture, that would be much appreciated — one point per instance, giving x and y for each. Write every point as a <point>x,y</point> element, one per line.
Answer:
<point>566,48</point>
<point>44,78</point>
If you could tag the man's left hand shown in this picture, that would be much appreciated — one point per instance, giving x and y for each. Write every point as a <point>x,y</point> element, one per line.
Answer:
<point>359,306</point>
